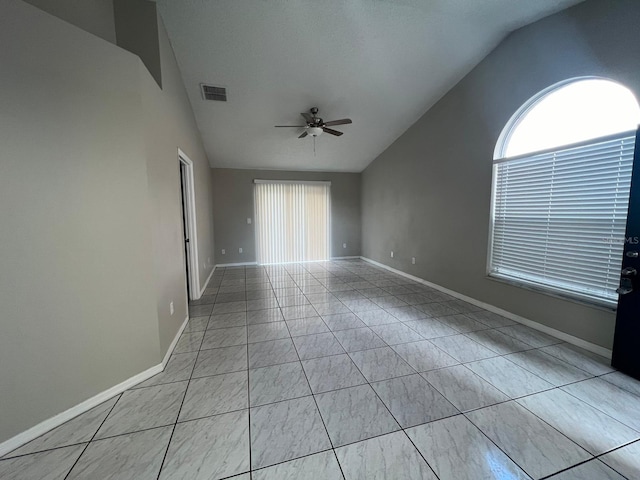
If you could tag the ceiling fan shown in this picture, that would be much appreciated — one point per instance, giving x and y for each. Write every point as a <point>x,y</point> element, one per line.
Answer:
<point>316,125</point>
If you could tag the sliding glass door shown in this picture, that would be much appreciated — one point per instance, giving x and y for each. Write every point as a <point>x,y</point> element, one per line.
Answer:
<point>293,221</point>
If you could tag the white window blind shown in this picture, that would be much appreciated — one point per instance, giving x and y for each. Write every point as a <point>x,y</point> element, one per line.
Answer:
<point>292,221</point>
<point>559,217</point>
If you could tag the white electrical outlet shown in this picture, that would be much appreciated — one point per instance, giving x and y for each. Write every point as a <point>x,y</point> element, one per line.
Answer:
<point>240,250</point>
<point>413,260</point>
<point>171,310</point>
<point>344,245</point>
<point>224,252</point>
<point>249,221</point>
<point>391,253</point>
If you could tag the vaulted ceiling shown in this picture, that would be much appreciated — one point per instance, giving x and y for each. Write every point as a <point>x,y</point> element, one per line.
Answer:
<point>383,63</point>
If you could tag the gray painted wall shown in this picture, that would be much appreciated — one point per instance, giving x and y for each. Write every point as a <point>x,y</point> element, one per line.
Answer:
<point>78,304</point>
<point>169,123</point>
<point>136,24</point>
<point>94,16</point>
<point>90,245</point>
<point>233,204</point>
<point>428,195</point>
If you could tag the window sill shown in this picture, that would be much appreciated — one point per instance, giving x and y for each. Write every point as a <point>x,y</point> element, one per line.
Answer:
<point>553,293</point>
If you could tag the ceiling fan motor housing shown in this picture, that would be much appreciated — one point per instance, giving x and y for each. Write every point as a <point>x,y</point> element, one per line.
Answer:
<point>314,131</point>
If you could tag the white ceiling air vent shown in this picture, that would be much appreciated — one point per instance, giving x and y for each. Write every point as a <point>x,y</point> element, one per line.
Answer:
<point>209,92</point>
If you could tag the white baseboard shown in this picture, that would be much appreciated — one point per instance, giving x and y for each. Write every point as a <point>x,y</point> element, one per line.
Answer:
<point>246,264</point>
<point>174,341</point>
<point>207,281</point>
<point>57,420</point>
<point>592,347</point>
<point>243,264</point>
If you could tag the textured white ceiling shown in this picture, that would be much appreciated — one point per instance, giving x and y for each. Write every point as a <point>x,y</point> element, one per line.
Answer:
<point>382,63</point>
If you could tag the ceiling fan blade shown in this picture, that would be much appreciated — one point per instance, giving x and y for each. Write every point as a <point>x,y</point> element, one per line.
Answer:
<point>290,126</point>
<point>331,131</point>
<point>304,134</point>
<point>344,121</point>
<point>307,117</point>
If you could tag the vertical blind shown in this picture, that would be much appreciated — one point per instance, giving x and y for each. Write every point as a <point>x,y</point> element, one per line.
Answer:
<point>559,217</point>
<point>292,221</point>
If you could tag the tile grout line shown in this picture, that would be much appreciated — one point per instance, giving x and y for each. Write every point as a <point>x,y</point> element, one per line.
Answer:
<point>248,390</point>
<point>613,450</point>
<point>246,326</point>
<point>45,450</point>
<point>380,399</point>
<point>93,436</point>
<point>8,455</point>
<point>594,458</point>
<point>175,424</point>
<point>333,448</point>
<point>497,446</point>
<point>402,429</point>
<point>515,399</point>
<point>388,410</point>
<point>315,402</point>
<point>594,406</point>
<point>287,461</point>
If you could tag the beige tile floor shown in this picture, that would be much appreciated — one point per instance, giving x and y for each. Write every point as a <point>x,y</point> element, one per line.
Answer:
<point>341,370</point>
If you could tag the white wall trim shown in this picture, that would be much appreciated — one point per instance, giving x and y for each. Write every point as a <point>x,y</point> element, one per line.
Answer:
<point>206,283</point>
<point>592,347</point>
<point>242,264</point>
<point>174,341</point>
<point>192,225</point>
<point>57,420</point>
<point>346,258</point>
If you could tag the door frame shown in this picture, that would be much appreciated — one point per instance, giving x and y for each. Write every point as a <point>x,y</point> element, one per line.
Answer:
<point>189,216</point>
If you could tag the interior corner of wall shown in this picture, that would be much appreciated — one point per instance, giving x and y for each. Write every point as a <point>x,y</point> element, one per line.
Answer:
<point>161,354</point>
<point>136,18</point>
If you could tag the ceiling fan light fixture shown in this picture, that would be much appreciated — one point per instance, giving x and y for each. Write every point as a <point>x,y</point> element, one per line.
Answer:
<point>314,131</point>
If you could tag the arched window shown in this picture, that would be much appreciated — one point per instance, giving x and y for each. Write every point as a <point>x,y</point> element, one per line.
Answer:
<point>562,172</point>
